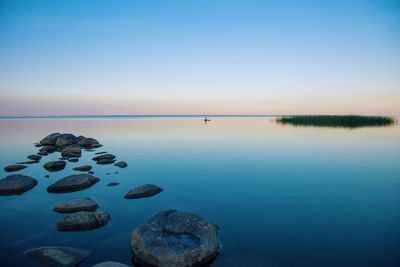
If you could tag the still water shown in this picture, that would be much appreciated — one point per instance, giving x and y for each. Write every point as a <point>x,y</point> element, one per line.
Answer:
<point>282,195</point>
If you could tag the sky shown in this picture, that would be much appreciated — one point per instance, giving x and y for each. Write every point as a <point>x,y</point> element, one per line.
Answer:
<point>94,57</point>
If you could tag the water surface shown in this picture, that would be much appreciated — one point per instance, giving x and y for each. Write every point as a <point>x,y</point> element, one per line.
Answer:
<point>282,195</point>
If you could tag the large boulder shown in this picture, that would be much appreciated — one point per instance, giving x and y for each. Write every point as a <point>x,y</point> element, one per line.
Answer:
<point>173,238</point>
<point>16,184</point>
<point>83,168</point>
<point>53,166</point>
<point>72,151</point>
<point>146,190</point>
<point>89,143</point>
<point>76,204</point>
<point>57,256</point>
<point>14,168</point>
<point>50,140</point>
<point>71,183</point>
<point>83,220</point>
<point>66,140</point>
<point>104,156</point>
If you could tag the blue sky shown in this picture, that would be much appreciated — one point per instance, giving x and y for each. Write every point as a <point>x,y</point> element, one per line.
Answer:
<point>199,57</point>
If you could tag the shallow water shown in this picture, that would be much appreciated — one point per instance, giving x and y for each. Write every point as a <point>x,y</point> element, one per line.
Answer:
<point>282,195</point>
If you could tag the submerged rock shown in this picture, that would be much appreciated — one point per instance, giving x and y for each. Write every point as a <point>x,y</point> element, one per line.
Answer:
<point>53,166</point>
<point>121,164</point>
<point>147,190</point>
<point>83,168</point>
<point>71,183</point>
<point>89,143</point>
<point>51,139</point>
<point>104,156</point>
<point>14,168</point>
<point>172,238</point>
<point>34,157</point>
<point>83,220</point>
<point>16,184</point>
<point>66,140</point>
<point>113,184</point>
<point>57,256</point>
<point>110,264</point>
<point>73,151</point>
<point>105,161</point>
<point>73,160</point>
<point>76,204</point>
<point>99,153</point>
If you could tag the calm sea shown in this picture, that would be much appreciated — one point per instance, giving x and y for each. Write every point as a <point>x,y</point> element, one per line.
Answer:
<point>282,195</point>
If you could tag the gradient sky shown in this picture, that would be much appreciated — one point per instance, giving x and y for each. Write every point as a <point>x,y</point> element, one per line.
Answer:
<point>79,57</point>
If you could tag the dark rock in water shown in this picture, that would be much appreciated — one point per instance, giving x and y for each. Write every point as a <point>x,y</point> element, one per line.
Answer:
<point>38,145</point>
<point>91,172</point>
<point>121,164</point>
<point>66,140</point>
<point>50,140</point>
<point>83,220</point>
<point>172,238</point>
<point>48,149</point>
<point>16,184</point>
<point>73,160</point>
<point>110,264</point>
<point>73,151</point>
<point>116,172</point>
<point>72,183</point>
<point>104,156</point>
<point>57,256</point>
<point>43,153</point>
<point>47,176</point>
<point>108,173</point>
<point>14,168</point>
<point>99,153</point>
<point>83,168</point>
<point>89,143</point>
<point>53,166</point>
<point>105,161</point>
<point>89,149</point>
<point>34,157</point>
<point>113,184</point>
<point>76,204</point>
<point>63,158</point>
<point>28,162</point>
<point>147,190</point>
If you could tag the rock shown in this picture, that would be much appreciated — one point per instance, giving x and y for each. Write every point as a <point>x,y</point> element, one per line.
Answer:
<point>34,157</point>
<point>147,190</point>
<point>53,166</point>
<point>76,204</point>
<point>48,149</point>
<point>73,160</point>
<point>116,172</point>
<point>63,158</point>
<point>66,140</point>
<point>110,264</point>
<point>50,140</point>
<point>173,238</point>
<point>83,220</point>
<point>28,162</point>
<point>37,145</point>
<point>121,164</point>
<point>91,172</point>
<point>47,176</point>
<point>89,143</point>
<point>57,256</point>
<point>105,161</point>
<point>72,183</point>
<point>99,153</point>
<point>43,153</point>
<point>83,168</point>
<point>104,156</point>
<point>14,168</point>
<point>16,184</point>
<point>113,184</point>
<point>89,149</point>
<point>72,151</point>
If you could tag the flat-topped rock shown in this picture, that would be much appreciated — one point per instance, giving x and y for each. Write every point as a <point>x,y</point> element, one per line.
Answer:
<point>14,167</point>
<point>89,143</point>
<point>53,166</point>
<point>76,204</point>
<point>83,220</point>
<point>110,264</point>
<point>73,183</point>
<point>121,164</point>
<point>34,157</point>
<point>57,256</point>
<point>83,168</point>
<point>173,238</point>
<point>104,156</point>
<point>72,151</point>
<point>146,190</point>
<point>16,184</point>
<point>51,139</point>
<point>105,161</point>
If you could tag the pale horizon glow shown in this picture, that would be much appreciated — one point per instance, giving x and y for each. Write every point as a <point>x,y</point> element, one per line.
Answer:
<point>199,57</point>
